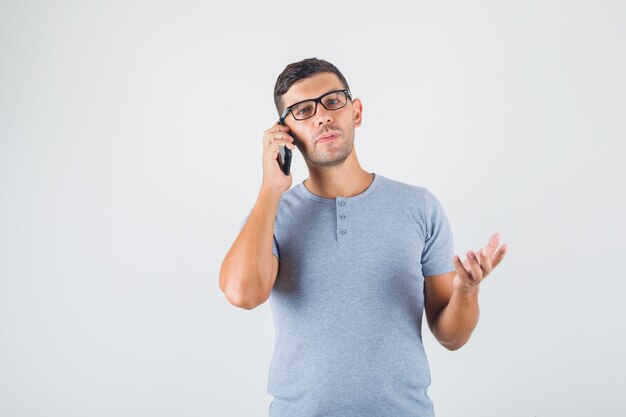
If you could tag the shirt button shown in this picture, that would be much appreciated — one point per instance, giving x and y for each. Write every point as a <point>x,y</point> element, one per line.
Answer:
<point>342,216</point>
<point>342,203</point>
<point>342,231</point>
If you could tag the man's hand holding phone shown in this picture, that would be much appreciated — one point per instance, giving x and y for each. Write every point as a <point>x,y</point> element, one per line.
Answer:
<point>274,178</point>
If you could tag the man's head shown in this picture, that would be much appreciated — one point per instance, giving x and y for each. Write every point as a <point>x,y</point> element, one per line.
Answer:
<point>300,70</point>
<point>310,79</point>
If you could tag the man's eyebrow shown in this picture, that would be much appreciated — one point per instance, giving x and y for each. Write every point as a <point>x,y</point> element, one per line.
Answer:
<point>313,98</point>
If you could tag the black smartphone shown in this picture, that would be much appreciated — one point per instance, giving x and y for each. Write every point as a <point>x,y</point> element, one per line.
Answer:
<point>284,155</point>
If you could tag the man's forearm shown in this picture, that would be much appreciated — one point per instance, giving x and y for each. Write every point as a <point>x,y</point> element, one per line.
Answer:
<point>247,268</point>
<point>456,321</point>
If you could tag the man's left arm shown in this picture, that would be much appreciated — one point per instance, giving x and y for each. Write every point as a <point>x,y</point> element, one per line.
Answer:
<point>451,300</point>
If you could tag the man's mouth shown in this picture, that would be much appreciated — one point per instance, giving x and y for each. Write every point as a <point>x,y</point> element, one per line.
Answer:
<point>328,137</point>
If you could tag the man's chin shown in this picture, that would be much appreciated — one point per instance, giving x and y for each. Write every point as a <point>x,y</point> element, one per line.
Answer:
<point>331,162</point>
<point>321,157</point>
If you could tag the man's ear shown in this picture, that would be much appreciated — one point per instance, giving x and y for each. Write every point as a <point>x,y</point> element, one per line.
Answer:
<point>357,112</point>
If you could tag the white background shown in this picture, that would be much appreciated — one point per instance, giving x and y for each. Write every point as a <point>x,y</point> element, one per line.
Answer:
<point>130,152</point>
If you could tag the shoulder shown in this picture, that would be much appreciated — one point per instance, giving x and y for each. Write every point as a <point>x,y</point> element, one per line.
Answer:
<point>399,189</point>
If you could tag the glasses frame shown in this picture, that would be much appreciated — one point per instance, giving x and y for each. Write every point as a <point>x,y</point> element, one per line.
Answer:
<point>316,100</point>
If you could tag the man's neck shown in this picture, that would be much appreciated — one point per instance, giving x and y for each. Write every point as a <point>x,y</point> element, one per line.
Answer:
<point>341,181</point>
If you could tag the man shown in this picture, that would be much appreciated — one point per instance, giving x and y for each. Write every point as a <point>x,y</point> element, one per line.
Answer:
<point>349,260</point>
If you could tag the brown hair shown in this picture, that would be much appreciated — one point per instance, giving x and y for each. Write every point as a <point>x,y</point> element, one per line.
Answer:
<point>297,71</point>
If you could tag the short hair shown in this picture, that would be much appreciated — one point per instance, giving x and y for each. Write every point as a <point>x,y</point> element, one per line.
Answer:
<point>297,71</point>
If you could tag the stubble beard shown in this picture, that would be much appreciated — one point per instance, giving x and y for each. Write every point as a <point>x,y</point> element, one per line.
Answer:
<point>329,154</point>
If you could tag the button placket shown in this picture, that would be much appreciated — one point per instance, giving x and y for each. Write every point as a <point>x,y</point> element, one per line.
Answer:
<point>342,224</point>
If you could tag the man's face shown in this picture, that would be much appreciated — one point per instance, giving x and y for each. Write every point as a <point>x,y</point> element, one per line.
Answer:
<point>307,132</point>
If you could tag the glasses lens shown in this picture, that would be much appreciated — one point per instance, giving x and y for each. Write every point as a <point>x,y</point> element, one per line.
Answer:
<point>335,100</point>
<point>331,101</point>
<point>303,110</point>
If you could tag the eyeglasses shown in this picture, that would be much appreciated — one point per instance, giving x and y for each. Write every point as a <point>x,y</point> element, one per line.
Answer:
<point>302,110</point>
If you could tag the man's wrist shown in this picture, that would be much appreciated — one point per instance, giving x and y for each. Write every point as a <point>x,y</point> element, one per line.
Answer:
<point>270,194</point>
<point>467,292</point>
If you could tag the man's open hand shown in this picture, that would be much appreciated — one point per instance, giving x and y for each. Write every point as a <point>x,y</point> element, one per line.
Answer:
<point>478,265</point>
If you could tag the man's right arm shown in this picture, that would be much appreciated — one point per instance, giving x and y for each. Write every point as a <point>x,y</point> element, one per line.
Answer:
<point>250,268</point>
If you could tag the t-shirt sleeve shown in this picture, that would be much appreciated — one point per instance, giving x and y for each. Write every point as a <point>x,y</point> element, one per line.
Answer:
<point>439,244</point>
<point>274,245</point>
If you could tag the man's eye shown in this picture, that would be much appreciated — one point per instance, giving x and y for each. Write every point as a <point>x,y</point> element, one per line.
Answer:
<point>303,110</point>
<point>332,101</point>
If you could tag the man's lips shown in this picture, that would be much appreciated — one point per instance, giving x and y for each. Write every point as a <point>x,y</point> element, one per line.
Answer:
<point>328,137</point>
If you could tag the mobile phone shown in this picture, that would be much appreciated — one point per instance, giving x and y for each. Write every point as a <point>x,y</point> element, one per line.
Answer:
<point>284,155</point>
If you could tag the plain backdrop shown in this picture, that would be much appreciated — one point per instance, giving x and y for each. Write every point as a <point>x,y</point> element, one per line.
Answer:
<point>130,152</point>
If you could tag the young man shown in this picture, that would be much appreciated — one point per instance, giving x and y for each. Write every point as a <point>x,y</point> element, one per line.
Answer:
<point>349,260</point>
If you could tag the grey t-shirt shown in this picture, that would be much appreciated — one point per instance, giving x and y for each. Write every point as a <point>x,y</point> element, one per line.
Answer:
<point>348,300</point>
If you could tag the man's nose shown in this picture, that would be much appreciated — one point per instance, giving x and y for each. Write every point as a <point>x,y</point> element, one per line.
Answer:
<point>322,116</point>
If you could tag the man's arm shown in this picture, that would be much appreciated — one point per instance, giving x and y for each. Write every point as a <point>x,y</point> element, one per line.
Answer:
<point>451,299</point>
<point>451,314</point>
<point>250,268</point>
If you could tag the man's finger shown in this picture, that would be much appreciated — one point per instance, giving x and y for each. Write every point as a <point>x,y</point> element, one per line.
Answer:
<point>460,269</point>
<point>278,127</point>
<point>499,255</point>
<point>278,143</point>
<point>485,262</point>
<point>466,264</point>
<point>280,136</point>
<point>492,245</point>
<point>476,270</point>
